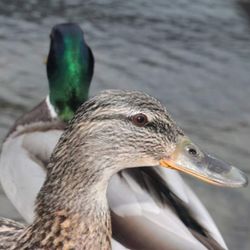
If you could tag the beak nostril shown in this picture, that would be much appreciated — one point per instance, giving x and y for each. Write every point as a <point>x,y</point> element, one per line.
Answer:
<point>192,151</point>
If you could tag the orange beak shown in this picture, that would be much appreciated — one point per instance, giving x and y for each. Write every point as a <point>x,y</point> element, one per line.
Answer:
<point>189,159</point>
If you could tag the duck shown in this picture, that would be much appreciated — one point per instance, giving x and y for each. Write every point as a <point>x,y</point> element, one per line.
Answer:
<point>152,200</point>
<point>110,132</point>
<point>27,147</point>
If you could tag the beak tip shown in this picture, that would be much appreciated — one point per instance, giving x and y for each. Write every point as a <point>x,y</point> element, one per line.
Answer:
<point>242,179</point>
<point>245,182</point>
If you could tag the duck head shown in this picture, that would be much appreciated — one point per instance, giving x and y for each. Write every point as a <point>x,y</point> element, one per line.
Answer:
<point>131,129</point>
<point>70,67</point>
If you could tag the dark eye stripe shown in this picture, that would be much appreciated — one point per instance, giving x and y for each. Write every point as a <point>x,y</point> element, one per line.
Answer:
<point>109,117</point>
<point>158,126</point>
<point>155,126</point>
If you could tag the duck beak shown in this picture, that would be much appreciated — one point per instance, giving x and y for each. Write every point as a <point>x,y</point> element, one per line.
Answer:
<point>188,158</point>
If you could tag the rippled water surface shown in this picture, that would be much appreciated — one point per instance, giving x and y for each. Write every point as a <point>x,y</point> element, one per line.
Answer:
<point>193,55</point>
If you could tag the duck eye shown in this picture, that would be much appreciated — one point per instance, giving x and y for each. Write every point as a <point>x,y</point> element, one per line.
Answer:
<point>139,120</point>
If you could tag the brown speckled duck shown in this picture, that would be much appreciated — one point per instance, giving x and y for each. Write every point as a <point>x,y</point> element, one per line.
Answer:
<point>113,131</point>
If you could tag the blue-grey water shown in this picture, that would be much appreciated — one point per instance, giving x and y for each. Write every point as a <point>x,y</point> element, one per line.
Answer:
<point>193,55</point>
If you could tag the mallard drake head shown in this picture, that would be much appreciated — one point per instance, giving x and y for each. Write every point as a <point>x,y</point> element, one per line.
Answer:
<point>70,67</point>
<point>127,129</point>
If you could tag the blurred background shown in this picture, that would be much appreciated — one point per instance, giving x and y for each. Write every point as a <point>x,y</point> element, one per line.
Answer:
<point>193,55</point>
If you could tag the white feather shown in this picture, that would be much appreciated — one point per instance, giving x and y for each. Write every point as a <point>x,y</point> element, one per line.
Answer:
<point>162,225</point>
<point>20,174</point>
<point>51,108</point>
<point>117,246</point>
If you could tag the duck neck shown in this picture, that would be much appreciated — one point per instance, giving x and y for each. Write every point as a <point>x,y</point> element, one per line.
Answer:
<point>71,206</point>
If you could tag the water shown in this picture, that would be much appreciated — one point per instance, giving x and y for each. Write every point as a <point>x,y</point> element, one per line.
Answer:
<point>192,55</point>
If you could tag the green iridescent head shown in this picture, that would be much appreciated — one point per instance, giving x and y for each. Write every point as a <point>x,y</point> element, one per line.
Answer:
<point>70,69</point>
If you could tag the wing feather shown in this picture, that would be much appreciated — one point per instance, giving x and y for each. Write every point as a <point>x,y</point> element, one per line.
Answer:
<point>147,215</point>
<point>23,168</point>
